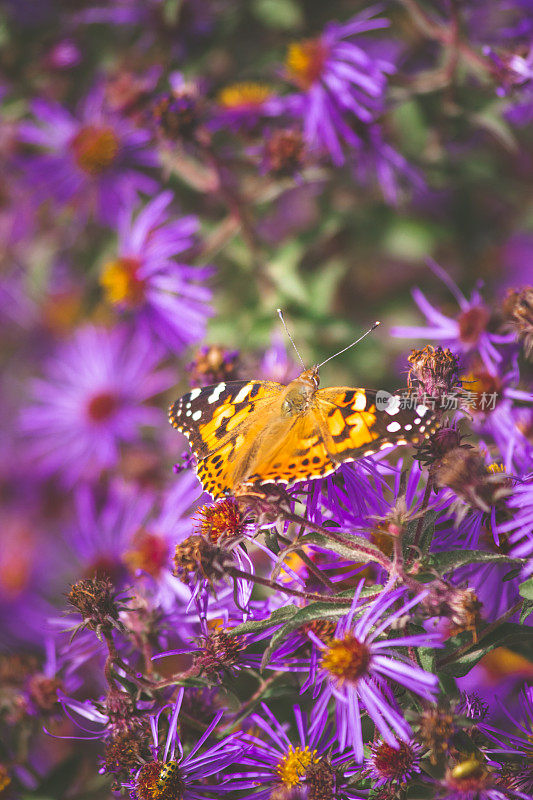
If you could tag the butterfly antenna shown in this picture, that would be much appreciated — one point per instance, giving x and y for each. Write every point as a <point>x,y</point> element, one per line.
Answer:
<point>374,326</point>
<point>280,314</point>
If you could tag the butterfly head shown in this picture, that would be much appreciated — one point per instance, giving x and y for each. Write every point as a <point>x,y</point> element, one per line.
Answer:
<point>299,392</point>
<point>310,377</point>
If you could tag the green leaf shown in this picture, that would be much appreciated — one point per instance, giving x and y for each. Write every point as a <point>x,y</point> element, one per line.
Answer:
<point>308,614</point>
<point>277,617</point>
<point>526,610</point>
<point>512,574</point>
<point>526,589</point>
<point>449,561</point>
<point>427,657</point>
<point>282,14</point>
<point>426,536</point>
<point>355,548</point>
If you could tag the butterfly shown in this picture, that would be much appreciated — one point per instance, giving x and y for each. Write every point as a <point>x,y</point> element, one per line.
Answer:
<point>248,434</point>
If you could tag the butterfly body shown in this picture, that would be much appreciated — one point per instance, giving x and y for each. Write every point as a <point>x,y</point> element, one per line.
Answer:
<point>246,434</point>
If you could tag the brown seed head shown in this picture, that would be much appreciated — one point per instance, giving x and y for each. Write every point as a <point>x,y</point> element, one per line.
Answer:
<point>213,364</point>
<point>196,557</point>
<point>518,311</point>
<point>95,599</point>
<point>434,371</point>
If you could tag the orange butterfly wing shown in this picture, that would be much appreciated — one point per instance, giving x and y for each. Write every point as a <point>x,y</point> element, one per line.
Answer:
<point>353,427</point>
<point>296,453</point>
<point>216,421</point>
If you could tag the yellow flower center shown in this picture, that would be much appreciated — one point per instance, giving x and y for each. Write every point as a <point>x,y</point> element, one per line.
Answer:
<point>346,659</point>
<point>305,61</point>
<point>242,95</point>
<point>95,149</point>
<point>294,764</point>
<point>496,469</point>
<point>120,282</point>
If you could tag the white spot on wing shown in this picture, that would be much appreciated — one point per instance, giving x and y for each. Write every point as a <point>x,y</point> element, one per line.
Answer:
<point>359,402</point>
<point>215,394</point>
<point>196,416</point>
<point>393,406</point>
<point>243,394</point>
<point>392,427</point>
<point>194,394</point>
<point>422,410</point>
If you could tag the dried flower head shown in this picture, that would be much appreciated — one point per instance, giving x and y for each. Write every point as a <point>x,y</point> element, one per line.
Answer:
<point>518,311</point>
<point>177,114</point>
<point>436,728</point>
<point>96,600</point>
<point>392,765</point>
<point>321,780</point>
<point>460,607</point>
<point>445,440</point>
<point>159,780</point>
<point>219,653</point>
<point>42,694</point>
<point>465,472</point>
<point>125,750</point>
<point>196,557</point>
<point>285,152</point>
<point>434,372</point>
<point>213,364</point>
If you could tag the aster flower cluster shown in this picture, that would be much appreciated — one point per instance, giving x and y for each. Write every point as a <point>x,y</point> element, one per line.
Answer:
<point>171,174</point>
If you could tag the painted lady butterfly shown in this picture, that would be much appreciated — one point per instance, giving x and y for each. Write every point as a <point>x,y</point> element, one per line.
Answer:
<point>246,434</point>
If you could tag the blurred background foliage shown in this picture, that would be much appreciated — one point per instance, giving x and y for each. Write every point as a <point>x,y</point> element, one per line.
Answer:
<point>328,249</point>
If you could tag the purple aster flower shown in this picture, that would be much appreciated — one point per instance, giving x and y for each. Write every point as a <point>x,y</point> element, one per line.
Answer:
<point>191,776</point>
<point>342,83</point>
<point>162,296</point>
<point>133,533</point>
<point>520,527</point>
<point>92,401</point>
<point>376,159</point>
<point>93,160</point>
<point>501,419</point>
<point>296,769</point>
<point>519,743</point>
<point>467,334</point>
<point>356,665</point>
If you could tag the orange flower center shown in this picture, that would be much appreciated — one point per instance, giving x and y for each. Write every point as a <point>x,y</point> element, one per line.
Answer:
<point>472,324</point>
<point>95,149</point>
<point>305,61</point>
<point>243,95</point>
<point>121,283</point>
<point>346,659</point>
